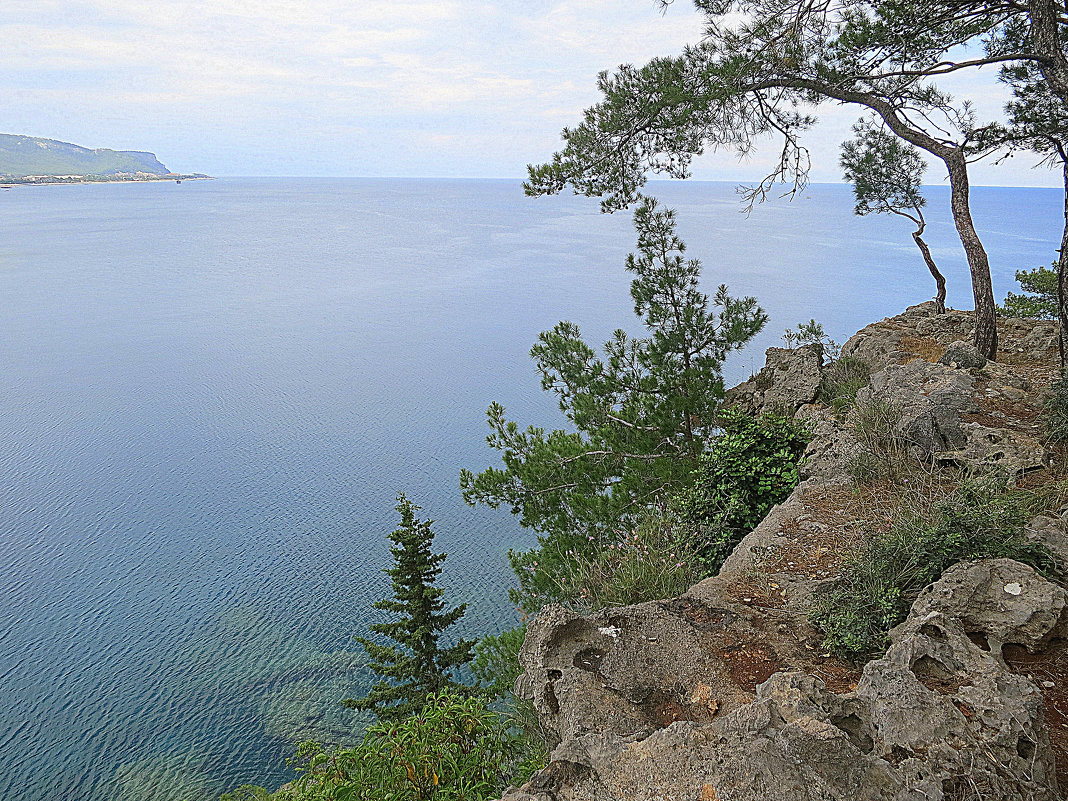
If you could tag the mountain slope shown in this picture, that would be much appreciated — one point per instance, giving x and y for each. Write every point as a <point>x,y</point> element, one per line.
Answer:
<point>29,155</point>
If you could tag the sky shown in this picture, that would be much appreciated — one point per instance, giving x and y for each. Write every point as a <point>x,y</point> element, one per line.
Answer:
<point>419,88</point>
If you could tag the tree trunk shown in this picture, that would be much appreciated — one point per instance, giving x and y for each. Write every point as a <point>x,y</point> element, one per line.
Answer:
<point>1062,276</point>
<point>986,331</point>
<point>1045,39</point>
<point>940,280</point>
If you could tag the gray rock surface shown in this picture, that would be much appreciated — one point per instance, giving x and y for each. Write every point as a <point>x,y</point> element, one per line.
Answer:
<point>1001,600</point>
<point>996,449</point>
<point>789,380</point>
<point>930,398</point>
<point>936,717</point>
<point>963,356</point>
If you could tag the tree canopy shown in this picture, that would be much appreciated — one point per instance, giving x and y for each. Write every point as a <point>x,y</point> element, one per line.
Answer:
<point>886,173</point>
<point>640,414</point>
<point>765,65</point>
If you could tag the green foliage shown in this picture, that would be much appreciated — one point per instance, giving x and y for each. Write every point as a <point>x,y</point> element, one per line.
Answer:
<point>1057,409</point>
<point>749,467</point>
<point>1040,302</point>
<point>496,663</point>
<point>840,382</point>
<point>654,560</point>
<point>419,667</point>
<point>496,667</point>
<point>454,749</point>
<point>879,584</point>
<point>812,333</point>
<point>883,453</point>
<point>641,415</point>
<point>886,173</point>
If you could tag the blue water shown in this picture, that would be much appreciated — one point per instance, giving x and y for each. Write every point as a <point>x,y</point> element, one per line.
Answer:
<point>211,393</point>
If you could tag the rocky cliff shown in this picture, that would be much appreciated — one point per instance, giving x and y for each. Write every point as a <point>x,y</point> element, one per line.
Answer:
<point>22,156</point>
<point>726,692</point>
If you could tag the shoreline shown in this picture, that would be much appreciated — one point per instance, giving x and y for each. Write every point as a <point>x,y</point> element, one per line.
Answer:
<point>73,182</point>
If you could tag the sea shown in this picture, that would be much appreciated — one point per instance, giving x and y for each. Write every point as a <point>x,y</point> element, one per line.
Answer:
<point>211,394</point>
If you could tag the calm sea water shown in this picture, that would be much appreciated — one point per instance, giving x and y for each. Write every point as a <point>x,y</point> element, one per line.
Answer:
<point>211,393</point>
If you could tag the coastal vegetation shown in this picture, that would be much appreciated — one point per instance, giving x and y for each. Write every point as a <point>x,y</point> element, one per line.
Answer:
<point>655,482</point>
<point>762,67</point>
<point>33,160</point>
<point>934,528</point>
<point>642,415</point>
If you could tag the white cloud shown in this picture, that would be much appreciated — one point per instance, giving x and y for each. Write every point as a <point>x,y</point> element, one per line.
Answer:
<point>385,86</point>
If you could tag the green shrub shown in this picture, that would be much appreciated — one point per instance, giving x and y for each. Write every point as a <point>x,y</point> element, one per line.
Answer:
<point>496,663</point>
<point>841,381</point>
<point>1057,409</point>
<point>884,451</point>
<point>878,585</point>
<point>812,333</point>
<point>496,668</point>
<point>1040,302</point>
<point>751,466</point>
<point>654,560</point>
<point>455,749</point>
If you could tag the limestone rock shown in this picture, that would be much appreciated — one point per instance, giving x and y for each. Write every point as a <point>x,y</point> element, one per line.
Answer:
<point>936,717</point>
<point>963,356</point>
<point>996,448</point>
<point>832,447</point>
<point>931,399</point>
<point>789,379</point>
<point>1000,600</point>
<point>1052,532</point>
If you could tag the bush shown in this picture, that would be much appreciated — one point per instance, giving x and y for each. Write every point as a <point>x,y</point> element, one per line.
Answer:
<point>841,381</point>
<point>496,667</point>
<point>1057,409</point>
<point>455,749</point>
<point>812,333</point>
<point>751,466</point>
<point>655,560</point>
<point>1040,302</point>
<point>874,424</point>
<point>879,584</point>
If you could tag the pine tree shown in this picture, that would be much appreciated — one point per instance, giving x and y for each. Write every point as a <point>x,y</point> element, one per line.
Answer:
<point>641,415</point>
<point>416,667</point>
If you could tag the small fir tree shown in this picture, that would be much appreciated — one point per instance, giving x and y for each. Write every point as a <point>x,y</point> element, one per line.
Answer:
<point>416,667</point>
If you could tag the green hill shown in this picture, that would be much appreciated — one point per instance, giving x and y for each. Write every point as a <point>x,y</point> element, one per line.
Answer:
<point>21,156</point>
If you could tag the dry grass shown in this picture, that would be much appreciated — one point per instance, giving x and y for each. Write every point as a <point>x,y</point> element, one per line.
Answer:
<point>925,348</point>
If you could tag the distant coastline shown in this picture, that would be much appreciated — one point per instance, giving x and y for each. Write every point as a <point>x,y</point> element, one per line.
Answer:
<point>9,182</point>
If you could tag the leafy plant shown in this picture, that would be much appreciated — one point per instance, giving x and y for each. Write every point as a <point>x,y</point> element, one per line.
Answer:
<point>496,663</point>
<point>884,454</point>
<point>454,749</point>
<point>496,667</point>
<point>886,173</point>
<point>749,467</point>
<point>840,382</point>
<point>1057,409</point>
<point>879,584</point>
<point>419,667</point>
<point>812,333</point>
<point>1040,300</point>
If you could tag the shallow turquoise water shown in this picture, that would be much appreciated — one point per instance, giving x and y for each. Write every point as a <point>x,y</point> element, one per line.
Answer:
<point>211,393</point>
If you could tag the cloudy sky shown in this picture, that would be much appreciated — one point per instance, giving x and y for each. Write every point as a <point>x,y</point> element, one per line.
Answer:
<point>473,88</point>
